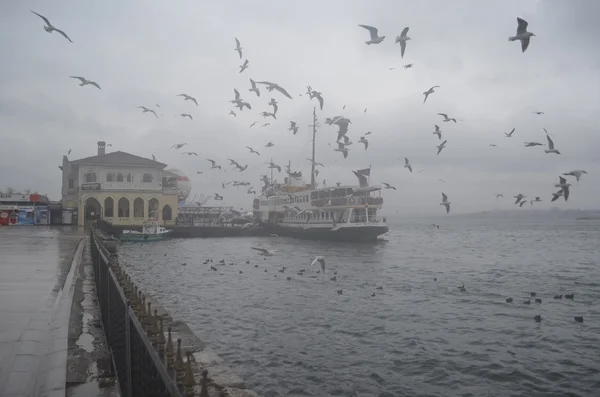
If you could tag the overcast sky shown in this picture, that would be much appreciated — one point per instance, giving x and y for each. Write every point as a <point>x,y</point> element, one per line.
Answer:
<point>147,52</point>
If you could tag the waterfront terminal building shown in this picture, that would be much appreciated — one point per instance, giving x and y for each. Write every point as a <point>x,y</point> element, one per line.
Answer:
<point>121,188</point>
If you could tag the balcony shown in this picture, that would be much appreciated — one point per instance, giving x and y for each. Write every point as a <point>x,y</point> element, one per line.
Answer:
<point>343,201</point>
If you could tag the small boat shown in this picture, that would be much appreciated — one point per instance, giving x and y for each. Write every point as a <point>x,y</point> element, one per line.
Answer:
<point>151,231</point>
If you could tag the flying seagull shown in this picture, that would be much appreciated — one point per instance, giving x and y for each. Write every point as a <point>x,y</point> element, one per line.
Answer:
<point>145,109</point>
<point>492,145</point>
<point>365,141</point>
<point>49,28</point>
<point>518,198</point>
<point>551,147</point>
<point>522,34</point>
<point>342,149</point>
<point>178,146</point>
<point>253,124</point>
<point>538,113</point>
<point>576,173</point>
<point>267,114</point>
<point>319,96</point>
<point>408,65</point>
<point>438,132</point>
<point>238,48</point>
<point>231,112</point>
<point>445,202</point>
<point>402,39</point>
<point>321,260</point>
<point>375,39</point>
<point>509,135</point>
<point>293,127</point>
<point>270,144</point>
<point>187,115</point>
<point>239,102</point>
<point>564,187</point>
<point>407,164</point>
<point>446,118</point>
<point>388,186</point>
<point>499,195</point>
<point>441,147</point>
<point>254,88</point>
<point>85,81</point>
<point>263,251</point>
<point>530,144</point>
<point>252,150</point>
<point>190,153</point>
<point>213,164</point>
<point>244,66</point>
<point>272,86</point>
<point>430,91</point>
<point>265,125</point>
<point>186,97</point>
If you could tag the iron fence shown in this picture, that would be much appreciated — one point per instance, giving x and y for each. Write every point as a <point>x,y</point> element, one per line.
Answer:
<point>145,361</point>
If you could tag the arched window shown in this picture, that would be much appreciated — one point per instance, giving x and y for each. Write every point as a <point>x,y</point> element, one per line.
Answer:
<point>109,207</point>
<point>119,177</point>
<point>90,177</point>
<point>138,208</point>
<point>147,177</point>
<point>166,212</point>
<point>110,177</point>
<point>123,210</point>
<point>129,178</point>
<point>153,207</point>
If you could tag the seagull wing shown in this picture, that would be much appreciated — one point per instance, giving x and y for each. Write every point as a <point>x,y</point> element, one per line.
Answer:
<point>402,48</point>
<point>404,32</point>
<point>524,44</point>
<point>550,143</point>
<point>406,161</point>
<point>43,17</point>
<point>95,85</point>
<point>444,198</point>
<point>152,111</point>
<point>372,31</point>
<point>237,94</point>
<point>409,168</point>
<point>237,42</point>
<point>444,115</point>
<point>437,128</point>
<point>253,84</point>
<point>562,180</point>
<point>211,161</point>
<point>195,101</point>
<point>64,34</point>
<point>82,79</point>
<point>522,26</point>
<point>284,92</point>
<point>320,98</point>
<point>511,132</point>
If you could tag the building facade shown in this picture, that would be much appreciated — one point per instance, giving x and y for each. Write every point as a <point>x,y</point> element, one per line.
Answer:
<point>118,187</point>
<point>23,209</point>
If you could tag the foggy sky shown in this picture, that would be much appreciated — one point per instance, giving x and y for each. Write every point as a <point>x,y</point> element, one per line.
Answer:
<point>145,53</point>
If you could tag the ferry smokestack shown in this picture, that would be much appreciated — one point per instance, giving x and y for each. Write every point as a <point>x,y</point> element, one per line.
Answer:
<point>101,148</point>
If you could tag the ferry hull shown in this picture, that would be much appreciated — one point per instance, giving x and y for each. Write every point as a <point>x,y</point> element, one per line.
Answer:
<point>364,233</point>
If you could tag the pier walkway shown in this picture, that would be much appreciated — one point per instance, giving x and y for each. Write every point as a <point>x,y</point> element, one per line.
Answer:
<point>35,265</point>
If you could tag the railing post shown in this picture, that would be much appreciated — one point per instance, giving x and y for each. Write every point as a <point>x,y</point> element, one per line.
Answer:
<point>128,351</point>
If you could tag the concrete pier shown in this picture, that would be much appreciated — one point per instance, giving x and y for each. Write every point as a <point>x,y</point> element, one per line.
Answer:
<point>36,272</point>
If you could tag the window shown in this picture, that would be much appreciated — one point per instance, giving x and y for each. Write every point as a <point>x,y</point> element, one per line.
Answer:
<point>90,177</point>
<point>147,177</point>
<point>129,178</point>
<point>109,207</point>
<point>123,208</point>
<point>166,213</point>
<point>110,177</point>
<point>119,177</point>
<point>71,183</point>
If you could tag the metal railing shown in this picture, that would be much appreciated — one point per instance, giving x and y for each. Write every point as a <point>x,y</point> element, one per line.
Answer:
<point>145,361</point>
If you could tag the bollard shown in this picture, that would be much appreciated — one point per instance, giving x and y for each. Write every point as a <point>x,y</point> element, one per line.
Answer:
<point>169,351</point>
<point>204,384</point>
<point>179,366</point>
<point>161,338</point>
<point>188,380</point>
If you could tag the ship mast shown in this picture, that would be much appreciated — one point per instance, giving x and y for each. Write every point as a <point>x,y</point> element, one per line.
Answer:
<point>314,126</point>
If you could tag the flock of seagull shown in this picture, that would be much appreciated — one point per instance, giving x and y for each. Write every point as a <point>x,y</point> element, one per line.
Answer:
<point>343,141</point>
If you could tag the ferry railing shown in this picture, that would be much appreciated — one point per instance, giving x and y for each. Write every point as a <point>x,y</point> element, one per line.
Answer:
<point>145,361</point>
<point>334,201</point>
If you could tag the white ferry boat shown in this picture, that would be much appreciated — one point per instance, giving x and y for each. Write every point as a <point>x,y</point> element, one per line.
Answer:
<point>343,212</point>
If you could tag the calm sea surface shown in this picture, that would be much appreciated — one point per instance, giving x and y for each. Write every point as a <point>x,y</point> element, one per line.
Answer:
<point>416,336</point>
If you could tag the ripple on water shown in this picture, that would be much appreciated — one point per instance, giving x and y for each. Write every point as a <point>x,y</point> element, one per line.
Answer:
<point>416,336</point>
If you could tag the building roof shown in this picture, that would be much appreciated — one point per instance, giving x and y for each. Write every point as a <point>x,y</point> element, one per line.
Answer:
<point>119,158</point>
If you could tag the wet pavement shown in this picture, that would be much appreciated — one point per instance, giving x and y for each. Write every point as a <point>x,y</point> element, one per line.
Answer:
<point>34,308</point>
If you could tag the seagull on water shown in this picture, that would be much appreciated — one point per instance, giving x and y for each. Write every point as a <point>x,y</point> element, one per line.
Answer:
<point>438,132</point>
<point>522,34</point>
<point>509,134</point>
<point>321,260</point>
<point>407,164</point>
<point>50,28</point>
<point>293,127</point>
<point>441,147</point>
<point>446,118</point>
<point>564,187</point>
<point>186,97</point>
<point>365,141</point>
<point>244,66</point>
<point>430,91</point>
<point>272,86</point>
<point>342,148</point>
<point>187,115</point>
<point>388,186</point>
<point>445,202</point>
<point>576,173</point>
<point>145,110</point>
<point>375,39</point>
<point>402,39</point>
<point>550,145</point>
<point>530,144</point>
<point>85,81</point>
<point>238,48</point>
<point>252,150</point>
